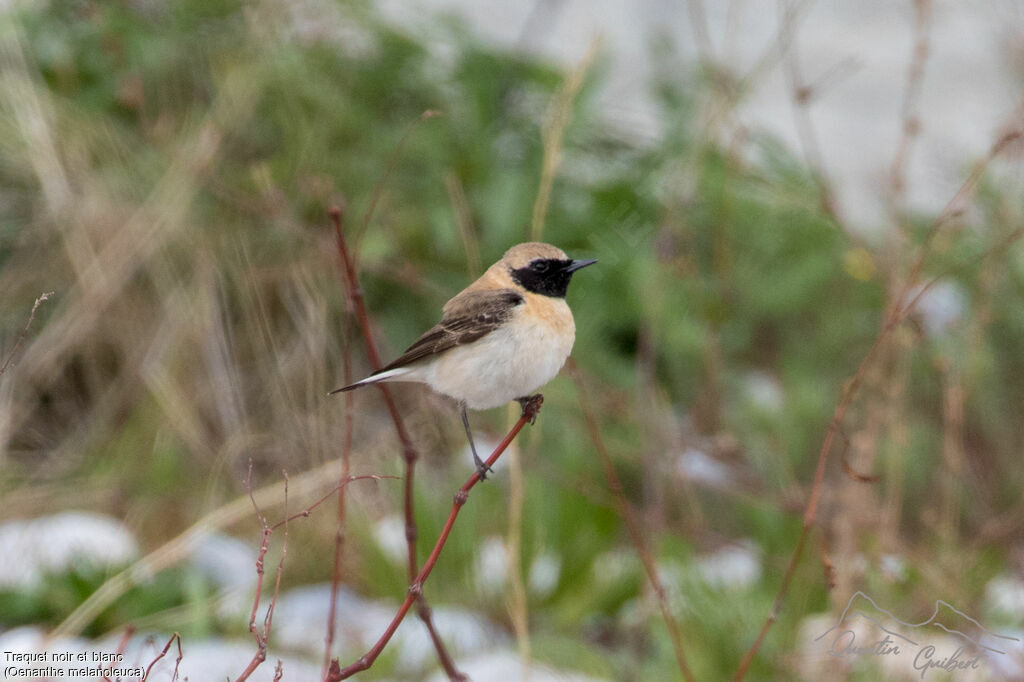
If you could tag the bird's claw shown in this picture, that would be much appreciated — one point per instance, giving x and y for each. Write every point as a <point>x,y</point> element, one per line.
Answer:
<point>531,407</point>
<point>481,467</point>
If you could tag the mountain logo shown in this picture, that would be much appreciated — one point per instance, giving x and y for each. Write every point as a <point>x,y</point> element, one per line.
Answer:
<point>966,644</point>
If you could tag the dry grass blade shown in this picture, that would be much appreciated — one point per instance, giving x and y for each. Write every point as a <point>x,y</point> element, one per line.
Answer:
<point>559,115</point>
<point>464,221</point>
<point>339,531</point>
<point>24,332</point>
<point>518,602</point>
<point>181,546</point>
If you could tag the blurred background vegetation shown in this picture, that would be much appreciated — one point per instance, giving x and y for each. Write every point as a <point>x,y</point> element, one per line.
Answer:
<point>166,168</point>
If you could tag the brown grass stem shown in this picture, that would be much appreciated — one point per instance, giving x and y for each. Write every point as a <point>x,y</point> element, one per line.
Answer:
<point>409,451</point>
<point>530,412</point>
<point>464,221</point>
<point>518,603</point>
<point>559,115</point>
<point>24,332</point>
<point>339,532</point>
<point>633,524</point>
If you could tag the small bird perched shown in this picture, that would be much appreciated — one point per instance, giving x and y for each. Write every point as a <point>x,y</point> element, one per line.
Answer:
<point>499,339</point>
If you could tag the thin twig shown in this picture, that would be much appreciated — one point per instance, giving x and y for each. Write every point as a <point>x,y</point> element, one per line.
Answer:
<point>409,452</point>
<point>167,647</point>
<point>911,124</point>
<point>348,479</point>
<point>24,332</point>
<point>801,100</point>
<point>633,525</point>
<point>266,531</point>
<point>896,312</point>
<point>416,587</point>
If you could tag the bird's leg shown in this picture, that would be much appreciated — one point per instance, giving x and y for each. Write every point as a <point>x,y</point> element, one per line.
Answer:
<point>531,406</point>
<point>481,468</point>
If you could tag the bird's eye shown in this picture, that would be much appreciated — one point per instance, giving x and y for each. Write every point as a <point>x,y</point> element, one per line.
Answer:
<point>539,266</point>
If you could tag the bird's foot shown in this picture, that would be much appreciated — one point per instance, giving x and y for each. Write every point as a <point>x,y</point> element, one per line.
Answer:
<point>481,467</point>
<point>531,406</point>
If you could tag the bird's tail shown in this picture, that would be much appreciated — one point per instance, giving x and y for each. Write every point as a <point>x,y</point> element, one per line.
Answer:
<point>390,374</point>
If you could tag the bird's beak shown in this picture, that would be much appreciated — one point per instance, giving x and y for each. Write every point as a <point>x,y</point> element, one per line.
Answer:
<point>577,264</point>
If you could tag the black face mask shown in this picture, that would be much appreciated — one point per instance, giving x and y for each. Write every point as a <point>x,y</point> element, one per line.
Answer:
<point>548,276</point>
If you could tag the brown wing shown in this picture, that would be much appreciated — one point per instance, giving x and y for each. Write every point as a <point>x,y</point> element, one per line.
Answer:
<point>469,316</point>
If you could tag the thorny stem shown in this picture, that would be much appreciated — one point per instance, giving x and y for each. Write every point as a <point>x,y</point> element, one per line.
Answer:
<point>409,452</point>
<point>530,411</point>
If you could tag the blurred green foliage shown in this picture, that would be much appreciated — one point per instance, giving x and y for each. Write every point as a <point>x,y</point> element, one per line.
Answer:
<point>206,139</point>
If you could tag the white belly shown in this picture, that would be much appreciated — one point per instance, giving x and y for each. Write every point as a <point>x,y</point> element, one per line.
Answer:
<point>509,363</point>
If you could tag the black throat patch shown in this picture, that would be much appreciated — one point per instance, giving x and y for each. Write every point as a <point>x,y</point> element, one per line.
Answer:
<point>545,276</point>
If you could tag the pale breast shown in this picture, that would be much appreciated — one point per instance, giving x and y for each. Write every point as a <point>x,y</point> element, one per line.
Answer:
<point>510,362</point>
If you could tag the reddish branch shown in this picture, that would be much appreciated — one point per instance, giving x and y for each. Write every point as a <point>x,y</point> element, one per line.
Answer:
<point>633,525</point>
<point>897,311</point>
<point>336,672</point>
<point>409,452</point>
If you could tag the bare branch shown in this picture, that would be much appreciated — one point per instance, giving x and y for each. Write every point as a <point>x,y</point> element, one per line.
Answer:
<point>409,451</point>
<point>416,587</point>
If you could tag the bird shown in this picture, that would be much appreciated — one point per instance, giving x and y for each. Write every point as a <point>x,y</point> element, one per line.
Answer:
<point>499,339</point>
